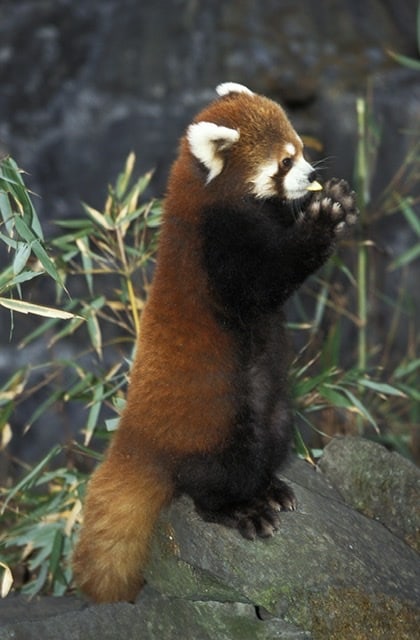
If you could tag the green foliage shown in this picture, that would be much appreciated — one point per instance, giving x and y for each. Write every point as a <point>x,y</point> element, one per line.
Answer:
<point>41,512</point>
<point>22,234</point>
<point>365,390</point>
<point>405,61</point>
<point>99,256</point>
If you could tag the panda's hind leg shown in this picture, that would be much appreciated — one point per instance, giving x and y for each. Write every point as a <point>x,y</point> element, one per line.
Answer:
<point>238,487</point>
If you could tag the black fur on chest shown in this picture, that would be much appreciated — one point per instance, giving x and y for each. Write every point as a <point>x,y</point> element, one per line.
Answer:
<point>243,258</point>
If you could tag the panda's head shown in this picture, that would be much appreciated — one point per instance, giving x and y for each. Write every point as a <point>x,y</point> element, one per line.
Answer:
<point>245,143</point>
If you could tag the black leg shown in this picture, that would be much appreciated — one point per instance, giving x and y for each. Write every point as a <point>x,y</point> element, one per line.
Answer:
<point>238,487</point>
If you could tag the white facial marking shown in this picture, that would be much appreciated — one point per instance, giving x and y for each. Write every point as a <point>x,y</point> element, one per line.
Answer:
<point>232,87</point>
<point>206,140</point>
<point>263,181</point>
<point>297,180</point>
<point>290,148</point>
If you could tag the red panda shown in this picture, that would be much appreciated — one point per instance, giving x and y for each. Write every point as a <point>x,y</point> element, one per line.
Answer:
<point>207,413</point>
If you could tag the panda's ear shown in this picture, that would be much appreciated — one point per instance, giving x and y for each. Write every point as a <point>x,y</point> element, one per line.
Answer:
<point>207,140</point>
<point>232,87</point>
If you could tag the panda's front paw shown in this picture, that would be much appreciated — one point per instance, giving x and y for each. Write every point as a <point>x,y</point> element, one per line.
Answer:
<point>334,206</point>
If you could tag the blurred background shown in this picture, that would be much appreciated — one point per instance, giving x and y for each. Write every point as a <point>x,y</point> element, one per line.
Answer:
<point>84,83</point>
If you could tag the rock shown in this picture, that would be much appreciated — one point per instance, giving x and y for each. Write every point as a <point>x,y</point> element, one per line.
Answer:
<point>324,566</point>
<point>154,617</point>
<point>381,484</point>
<point>330,572</point>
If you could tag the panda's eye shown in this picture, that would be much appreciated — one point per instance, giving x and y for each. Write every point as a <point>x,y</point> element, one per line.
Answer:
<point>287,163</point>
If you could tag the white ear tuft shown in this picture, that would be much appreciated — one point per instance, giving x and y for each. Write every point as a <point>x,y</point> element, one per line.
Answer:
<point>232,87</point>
<point>206,140</point>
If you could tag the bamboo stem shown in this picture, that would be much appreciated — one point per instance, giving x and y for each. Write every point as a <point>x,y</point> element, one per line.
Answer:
<point>362,182</point>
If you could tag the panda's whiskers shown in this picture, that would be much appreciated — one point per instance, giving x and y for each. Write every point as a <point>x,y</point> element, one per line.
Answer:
<point>322,163</point>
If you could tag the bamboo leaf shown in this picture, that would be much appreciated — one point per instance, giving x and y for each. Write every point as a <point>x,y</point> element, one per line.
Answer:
<point>112,424</point>
<point>95,455</point>
<point>409,214</point>
<point>335,397</point>
<point>407,257</point>
<point>6,581</point>
<point>154,217</point>
<point>124,177</point>
<point>405,61</point>
<point>101,220</point>
<point>6,211</point>
<point>95,333</point>
<point>39,310</point>
<point>69,329</point>
<point>98,396</point>
<point>407,368</point>
<point>80,388</point>
<point>56,552</point>
<point>21,195</point>
<point>144,181</point>
<point>19,279</point>
<point>46,261</point>
<point>358,405</point>
<point>22,254</point>
<point>320,307</point>
<point>339,262</point>
<point>83,246</point>
<point>303,387</point>
<point>381,387</point>
<point>411,392</point>
<point>23,230</point>
<point>301,448</point>
<point>31,477</point>
<point>28,235</point>
<point>9,241</point>
<point>85,226</point>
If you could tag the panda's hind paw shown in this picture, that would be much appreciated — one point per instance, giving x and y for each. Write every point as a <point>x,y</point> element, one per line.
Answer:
<point>261,518</point>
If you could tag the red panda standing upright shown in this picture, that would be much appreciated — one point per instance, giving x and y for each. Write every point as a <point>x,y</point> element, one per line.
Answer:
<point>207,410</point>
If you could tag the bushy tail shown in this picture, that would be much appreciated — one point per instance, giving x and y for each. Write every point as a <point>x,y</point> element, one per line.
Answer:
<point>123,502</point>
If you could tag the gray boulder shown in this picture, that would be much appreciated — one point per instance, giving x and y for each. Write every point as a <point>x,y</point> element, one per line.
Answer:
<point>329,573</point>
<point>379,483</point>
